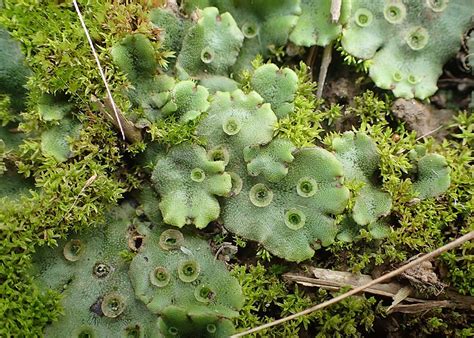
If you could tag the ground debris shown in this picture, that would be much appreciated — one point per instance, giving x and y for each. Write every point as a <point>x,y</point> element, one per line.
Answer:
<point>422,118</point>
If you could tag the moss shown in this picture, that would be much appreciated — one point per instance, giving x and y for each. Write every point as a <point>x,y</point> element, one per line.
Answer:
<point>268,297</point>
<point>74,195</point>
<point>53,51</point>
<point>305,125</point>
<point>418,226</point>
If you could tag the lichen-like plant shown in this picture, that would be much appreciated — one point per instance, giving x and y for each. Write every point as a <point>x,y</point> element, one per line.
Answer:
<point>211,46</point>
<point>234,121</point>
<point>292,217</point>
<point>172,26</point>
<point>238,131</point>
<point>12,185</point>
<point>270,161</point>
<point>276,86</point>
<point>136,58</point>
<point>407,41</point>
<point>432,173</point>
<point>188,182</point>
<point>361,160</point>
<point>383,32</point>
<point>265,24</point>
<point>90,273</point>
<point>105,295</point>
<point>61,129</point>
<point>316,25</point>
<point>186,101</point>
<point>176,276</point>
<point>359,156</point>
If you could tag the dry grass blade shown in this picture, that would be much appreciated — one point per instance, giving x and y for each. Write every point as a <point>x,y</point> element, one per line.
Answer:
<point>467,237</point>
<point>335,280</point>
<point>132,133</point>
<point>86,185</point>
<point>323,71</point>
<point>102,74</point>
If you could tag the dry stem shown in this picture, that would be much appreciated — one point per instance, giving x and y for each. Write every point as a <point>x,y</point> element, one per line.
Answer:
<point>467,237</point>
<point>101,71</point>
<point>323,71</point>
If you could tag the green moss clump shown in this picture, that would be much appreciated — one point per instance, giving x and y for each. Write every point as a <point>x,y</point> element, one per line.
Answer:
<point>70,196</point>
<point>54,51</point>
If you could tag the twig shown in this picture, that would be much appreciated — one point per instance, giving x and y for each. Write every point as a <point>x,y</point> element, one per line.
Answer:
<point>86,185</point>
<point>225,245</point>
<point>327,57</point>
<point>469,236</point>
<point>173,5</point>
<point>429,133</point>
<point>313,52</point>
<point>335,10</point>
<point>421,307</point>
<point>335,280</point>
<point>102,74</point>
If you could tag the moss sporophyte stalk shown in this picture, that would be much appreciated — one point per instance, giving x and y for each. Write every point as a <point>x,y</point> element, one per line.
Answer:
<point>237,171</point>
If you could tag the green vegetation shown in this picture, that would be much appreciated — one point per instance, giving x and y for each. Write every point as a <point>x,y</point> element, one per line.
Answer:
<point>266,294</point>
<point>230,144</point>
<point>406,42</point>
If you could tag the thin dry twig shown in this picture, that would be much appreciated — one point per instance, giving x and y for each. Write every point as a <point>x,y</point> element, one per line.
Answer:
<point>323,71</point>
<point>421,307</point>
<point>429,133</point>
<point>335,280</point>
<point>467,237</point>
<point>335,10</point>
<point>86,185</point>
<point>102,74</point>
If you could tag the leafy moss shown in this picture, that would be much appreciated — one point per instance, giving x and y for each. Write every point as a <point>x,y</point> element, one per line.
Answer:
<point>307,122</point>
<point>73,195</point>
<point>55,51</point>
<point>170,132</point>
<point>267,296</point>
